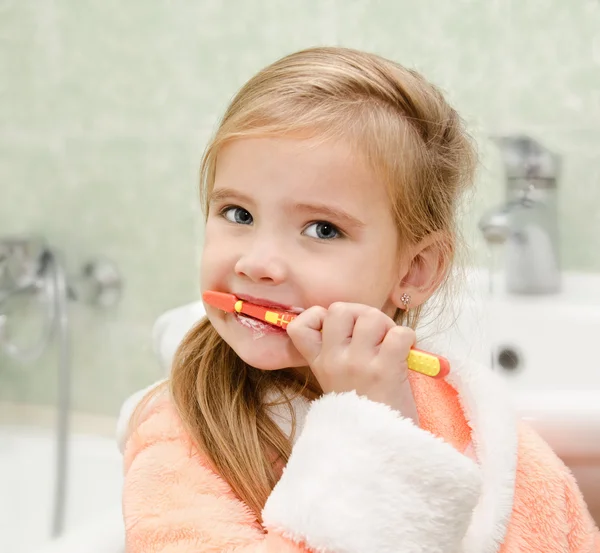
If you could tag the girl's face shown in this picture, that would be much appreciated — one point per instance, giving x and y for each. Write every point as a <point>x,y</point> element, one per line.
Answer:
<point>295,223</point>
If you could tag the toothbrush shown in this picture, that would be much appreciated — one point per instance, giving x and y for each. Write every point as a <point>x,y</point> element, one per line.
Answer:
<point>418,360</point>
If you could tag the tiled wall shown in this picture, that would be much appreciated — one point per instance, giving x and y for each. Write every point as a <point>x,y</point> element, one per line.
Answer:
<point>105,107</point>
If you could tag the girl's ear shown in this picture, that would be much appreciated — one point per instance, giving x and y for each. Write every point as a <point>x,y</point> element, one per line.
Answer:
<point>424,270</point>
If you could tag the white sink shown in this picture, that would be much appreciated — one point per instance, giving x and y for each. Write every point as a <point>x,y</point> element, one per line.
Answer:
<point>547,350</point>
<point>554,335</point>
<point>545,347</point>
<point>536,342</point>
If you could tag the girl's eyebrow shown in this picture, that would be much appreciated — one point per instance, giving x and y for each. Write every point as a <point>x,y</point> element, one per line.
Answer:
<point>227,194</point>
<point>328,212</point>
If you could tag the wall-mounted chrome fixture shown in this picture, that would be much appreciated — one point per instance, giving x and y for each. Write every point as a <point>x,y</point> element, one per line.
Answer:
<point>30,269</point>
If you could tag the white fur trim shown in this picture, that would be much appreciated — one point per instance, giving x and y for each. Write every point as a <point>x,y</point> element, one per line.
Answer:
<point>127,411</point>
<point>363,479</point>
<point>488,409</point>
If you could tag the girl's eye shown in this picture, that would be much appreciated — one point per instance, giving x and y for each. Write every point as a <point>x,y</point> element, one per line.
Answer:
<point>238,215</point>
<point>323,231</point>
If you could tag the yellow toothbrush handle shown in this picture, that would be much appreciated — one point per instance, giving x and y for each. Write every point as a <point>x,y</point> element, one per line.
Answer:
<point>428,364</point>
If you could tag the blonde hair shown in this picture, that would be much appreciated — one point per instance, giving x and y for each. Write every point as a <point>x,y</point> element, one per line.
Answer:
<point>411,138</point>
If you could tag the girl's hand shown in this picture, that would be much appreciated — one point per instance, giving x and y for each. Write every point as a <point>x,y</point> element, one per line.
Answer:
<point>360,348</point>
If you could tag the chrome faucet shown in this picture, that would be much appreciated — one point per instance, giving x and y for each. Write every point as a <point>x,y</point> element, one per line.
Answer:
<point>527,223</point>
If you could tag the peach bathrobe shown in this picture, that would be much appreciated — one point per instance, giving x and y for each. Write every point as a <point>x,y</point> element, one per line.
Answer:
<point>363,479</point>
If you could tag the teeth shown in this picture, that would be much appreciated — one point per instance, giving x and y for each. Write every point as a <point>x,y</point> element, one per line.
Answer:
<point>277,308</point>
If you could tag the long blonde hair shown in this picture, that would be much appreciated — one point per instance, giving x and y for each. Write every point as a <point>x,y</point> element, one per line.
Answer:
<point>402,126</point>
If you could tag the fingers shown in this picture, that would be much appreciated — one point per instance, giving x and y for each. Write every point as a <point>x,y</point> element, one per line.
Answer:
<point>360,348</point>
<point>396,345</point>
<point>370,329</point>
<point>338,325</point>
<point>360,330</point>
<point>305,332</point>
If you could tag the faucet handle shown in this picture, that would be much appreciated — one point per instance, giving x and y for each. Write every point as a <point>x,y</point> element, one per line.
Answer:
<point>525,158</point>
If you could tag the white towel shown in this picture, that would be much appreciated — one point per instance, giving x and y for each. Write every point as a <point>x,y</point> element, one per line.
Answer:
<point>170,328</point>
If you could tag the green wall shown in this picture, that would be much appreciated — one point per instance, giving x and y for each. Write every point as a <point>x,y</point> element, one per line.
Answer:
<point>105,107</point>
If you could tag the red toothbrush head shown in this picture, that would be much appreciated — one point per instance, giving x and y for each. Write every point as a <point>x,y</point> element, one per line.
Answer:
<point>220,300</point>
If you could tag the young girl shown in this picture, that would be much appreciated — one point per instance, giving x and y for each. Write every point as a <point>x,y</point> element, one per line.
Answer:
<point>331,187</point>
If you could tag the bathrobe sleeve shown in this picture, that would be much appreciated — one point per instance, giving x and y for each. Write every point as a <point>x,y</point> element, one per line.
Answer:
<point>583,535</point>
<point>549,513</point>
<point>360,478</point>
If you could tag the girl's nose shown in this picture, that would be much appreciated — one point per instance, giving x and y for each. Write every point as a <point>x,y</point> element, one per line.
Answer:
<point>263,263</point>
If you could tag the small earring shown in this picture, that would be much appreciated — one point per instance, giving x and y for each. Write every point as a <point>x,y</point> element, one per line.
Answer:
<point>405,299</point>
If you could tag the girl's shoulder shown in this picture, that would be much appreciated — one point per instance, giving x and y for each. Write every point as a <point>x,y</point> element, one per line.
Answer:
<point>153,434</point>
<point>147,412</point>
<point>172,497</point>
